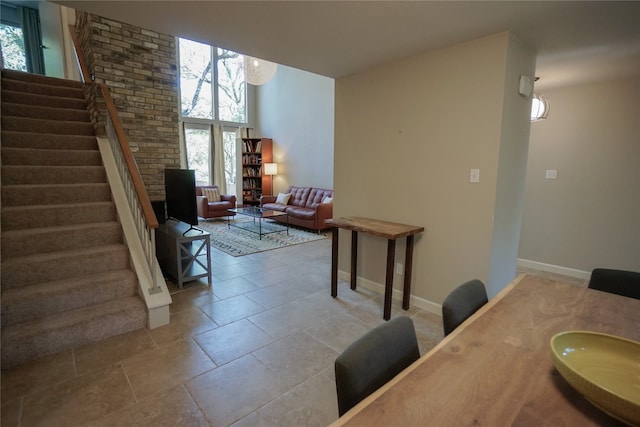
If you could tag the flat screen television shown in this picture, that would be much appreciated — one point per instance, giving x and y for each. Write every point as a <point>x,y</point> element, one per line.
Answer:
<point>180,192</point>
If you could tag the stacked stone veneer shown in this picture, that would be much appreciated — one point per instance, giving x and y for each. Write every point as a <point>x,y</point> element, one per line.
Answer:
<point>140,69</point>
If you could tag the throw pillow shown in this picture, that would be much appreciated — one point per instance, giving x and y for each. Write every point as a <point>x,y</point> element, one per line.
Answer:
<point>283,199</point>
<point>212,194</point>
<point>327,199</point>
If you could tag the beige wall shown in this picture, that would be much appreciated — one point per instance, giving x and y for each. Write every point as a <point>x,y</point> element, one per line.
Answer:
<point>407,134</point>
<point>590,215</point>
<point>296,109</point>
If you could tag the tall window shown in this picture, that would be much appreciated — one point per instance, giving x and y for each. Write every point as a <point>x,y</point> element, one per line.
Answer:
<point>21,38</point>
<point>199,152</point>
<point>12,42</point>
<point>212,83</point>
<point>213,91</point>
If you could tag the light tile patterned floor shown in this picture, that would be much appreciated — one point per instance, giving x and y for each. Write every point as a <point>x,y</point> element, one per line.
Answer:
<point>257,349</point>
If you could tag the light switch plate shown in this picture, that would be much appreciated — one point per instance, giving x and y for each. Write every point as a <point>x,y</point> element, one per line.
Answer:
<point>551,174</point>
<point>474,175</point>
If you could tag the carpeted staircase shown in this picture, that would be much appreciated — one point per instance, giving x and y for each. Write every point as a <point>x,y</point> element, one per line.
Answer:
<point>66,279</point>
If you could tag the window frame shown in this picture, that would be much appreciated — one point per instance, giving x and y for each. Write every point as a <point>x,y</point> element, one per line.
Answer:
<point>249,95</point>
<point>227,126</point>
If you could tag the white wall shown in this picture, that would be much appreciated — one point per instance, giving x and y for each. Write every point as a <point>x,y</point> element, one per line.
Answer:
<point>52,39</point>
<point>296,109</point>
<point>590,215</point>
<point>407,134</point>
<point>515,125</point>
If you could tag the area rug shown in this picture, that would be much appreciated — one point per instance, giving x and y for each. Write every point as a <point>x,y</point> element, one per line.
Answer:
<point>238,242</point>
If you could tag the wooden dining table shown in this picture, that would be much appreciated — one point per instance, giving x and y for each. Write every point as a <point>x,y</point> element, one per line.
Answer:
<point>496,368</point>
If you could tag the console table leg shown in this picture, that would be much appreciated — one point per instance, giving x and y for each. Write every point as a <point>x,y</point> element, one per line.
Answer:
<point>334,262</point>
<point>408,262</point>
<point>354,259</point>
<point>388,284</point>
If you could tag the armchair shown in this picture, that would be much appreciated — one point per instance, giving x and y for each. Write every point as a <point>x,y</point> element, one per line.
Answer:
<point>213,208</point>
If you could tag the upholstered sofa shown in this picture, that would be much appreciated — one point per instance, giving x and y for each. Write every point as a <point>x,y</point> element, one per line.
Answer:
<point>211,208</point>
<point>306,207</point>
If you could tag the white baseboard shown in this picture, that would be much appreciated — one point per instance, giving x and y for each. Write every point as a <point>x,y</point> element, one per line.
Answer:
<point>565,271</point>
<point>415,301</point>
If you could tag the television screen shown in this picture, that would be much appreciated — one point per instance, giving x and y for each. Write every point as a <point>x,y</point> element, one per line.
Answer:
<point>180,192</point>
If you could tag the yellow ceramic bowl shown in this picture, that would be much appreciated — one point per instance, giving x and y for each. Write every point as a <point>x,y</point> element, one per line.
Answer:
<point>603,368</point>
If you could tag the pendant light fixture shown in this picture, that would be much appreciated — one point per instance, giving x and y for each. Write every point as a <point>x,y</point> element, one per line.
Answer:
<point>258,71</point>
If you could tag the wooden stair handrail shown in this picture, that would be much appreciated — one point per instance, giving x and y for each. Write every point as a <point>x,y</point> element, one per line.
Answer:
<point>84,67</point>
<point>132,166</point>
<point>134,172</point>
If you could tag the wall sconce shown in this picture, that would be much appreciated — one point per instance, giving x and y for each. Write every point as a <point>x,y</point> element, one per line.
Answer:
<point>258,71</point>
<point>539,107</point>
<point>270,169</point>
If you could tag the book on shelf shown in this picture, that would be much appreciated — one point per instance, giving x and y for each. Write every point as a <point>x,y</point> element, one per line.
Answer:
<point>252,145</point>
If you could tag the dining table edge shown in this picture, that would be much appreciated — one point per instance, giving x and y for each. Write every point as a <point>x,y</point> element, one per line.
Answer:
<point>373,396</point>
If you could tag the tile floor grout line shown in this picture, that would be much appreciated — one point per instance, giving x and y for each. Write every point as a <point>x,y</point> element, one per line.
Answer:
<point>194,400</point>
<point>75,363</point>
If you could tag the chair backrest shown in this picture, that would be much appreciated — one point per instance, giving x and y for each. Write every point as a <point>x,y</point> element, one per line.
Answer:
<point>461,303</point>
<point>621,282</point>
<point>199,189</point>
<point>373,360</point>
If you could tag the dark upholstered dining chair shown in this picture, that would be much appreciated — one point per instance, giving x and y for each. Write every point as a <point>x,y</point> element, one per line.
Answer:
<point>621,282</point>
<point>374,359</point>
<point>461,303</point>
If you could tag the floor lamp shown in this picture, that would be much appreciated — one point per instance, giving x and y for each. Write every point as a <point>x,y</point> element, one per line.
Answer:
<point>271,169</point>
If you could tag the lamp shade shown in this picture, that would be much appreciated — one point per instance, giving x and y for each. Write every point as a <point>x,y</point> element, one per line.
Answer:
<point>270,168</point>
<point>258,71</point>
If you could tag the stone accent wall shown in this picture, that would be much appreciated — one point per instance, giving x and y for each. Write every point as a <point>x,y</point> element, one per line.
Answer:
<point>140,68</point>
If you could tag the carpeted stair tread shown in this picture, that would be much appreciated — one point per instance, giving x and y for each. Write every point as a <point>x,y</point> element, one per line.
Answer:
<point>42,299</point>
<point>32,241</point>
<point>43,112</point>
<point>18,195</point>
<point>43,89</point>
<point>39,156</point>
<point>30,269</point>
<point>39,99</point>
<point>8,74</point>
<point>27,341</point>
<point>35,140</point>
<point>66,278</point>
<point>27,175</point>
<point>59,127</point>
<point>20,217</point>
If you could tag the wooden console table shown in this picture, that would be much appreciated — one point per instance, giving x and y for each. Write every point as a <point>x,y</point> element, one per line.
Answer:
<point>388,230</point>
<point>183,252</point>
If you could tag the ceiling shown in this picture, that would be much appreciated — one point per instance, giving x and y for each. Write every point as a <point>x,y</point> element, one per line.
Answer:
<point>576,41</point>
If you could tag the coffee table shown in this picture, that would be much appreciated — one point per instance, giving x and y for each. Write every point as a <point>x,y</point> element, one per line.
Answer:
<point>258,214</point>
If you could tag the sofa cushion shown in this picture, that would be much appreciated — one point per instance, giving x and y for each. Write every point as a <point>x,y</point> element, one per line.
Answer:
<point>327,199</point>
<point>299,195</point>
<point>316,196</point>
<point>275,207</point>
<point>212,194</point>
<point>283,198</point>
<point>218,206</point>
<point>300,212</point>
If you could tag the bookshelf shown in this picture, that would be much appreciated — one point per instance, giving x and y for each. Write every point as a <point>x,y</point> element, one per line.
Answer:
<point>255,152</point>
